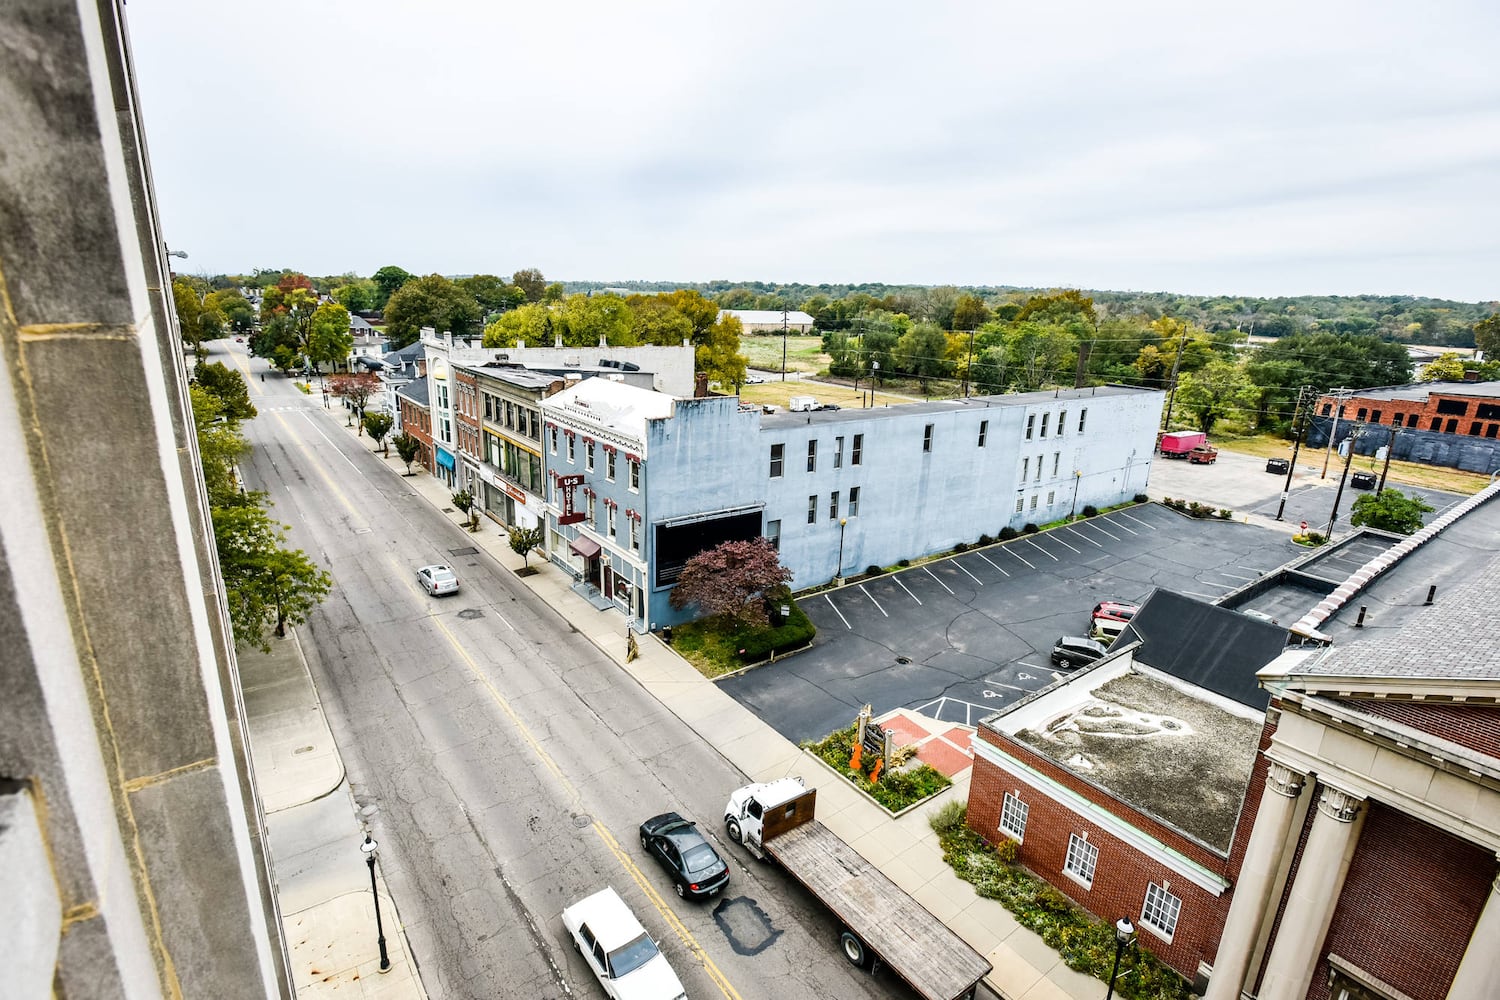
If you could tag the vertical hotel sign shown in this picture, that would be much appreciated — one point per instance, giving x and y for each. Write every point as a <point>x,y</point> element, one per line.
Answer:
<point>569,485</point>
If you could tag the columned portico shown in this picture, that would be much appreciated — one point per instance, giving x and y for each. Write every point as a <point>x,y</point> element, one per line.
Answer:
<point>1314,892</point>
<point>1478,975</point>
<point>1257,879</point>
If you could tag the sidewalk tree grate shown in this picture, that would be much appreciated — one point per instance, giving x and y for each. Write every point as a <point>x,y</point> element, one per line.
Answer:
<point>467,550</point>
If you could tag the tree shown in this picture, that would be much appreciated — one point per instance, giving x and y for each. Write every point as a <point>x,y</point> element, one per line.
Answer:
<point>464,501</point>
<point>1217,390</point>
<point>589,320</point>
<point>531,283</point>
<point>379,425</point>
<point>227,386</point>
<point>1390,510</point>
<point>431,301</point>
<point>189,312</point>
<point>970,313</point>
<point>922,352</point>
<point>407,448</point>
<point>491,292</point>
<point>718,352</point>
<point>1447,367</point>
<point>387,280</point>
<point>355,390</point>
<point>730,579</point>
<point>265,583</point>
<point>220,448</point>
<point>530,323</point>
<point>1487,336</point>
<point>358,295</point>
<point>233,307</point>
<point>523,540</point>
<point>328,336</point>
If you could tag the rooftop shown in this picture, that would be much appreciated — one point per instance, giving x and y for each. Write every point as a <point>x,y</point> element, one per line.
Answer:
<point>785,419</point>
<point>1211,647</point>
<point>767,315</point>
<point>1420,391</point>
<point>616,405</point>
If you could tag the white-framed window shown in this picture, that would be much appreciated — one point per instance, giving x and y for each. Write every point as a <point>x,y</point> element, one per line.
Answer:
<point>812,456</point>
<point>1025,468</point>
<point>554,440</point>
<point>812,509</point>
<point>838,452</point>
<point>1013,817</point>
<point>1062,422</point>
<point>588,456</point>
<point>1050,495</point>
<point>1056,463</point>
<point>833,506</point>
<point>1030,426</point>
<point>984,432</point>
<point>635,535</point>
<point>1161,910</point>
<point>1020,504</point>
<point>571,452</point>
<point>927,438</point>
<point>773,532</point>
<point>635,476</point>
<point>1034,498</point>
<point>857,455</point>
<point>1045,417</point>
<point>609,516</point>
<point>854,501</point>
<point>1083,415</point>
<point>609,466</point>
<point>1039,468</point>
<point>593,514</point>
<point>1082,859</point>
<point>778,460</point>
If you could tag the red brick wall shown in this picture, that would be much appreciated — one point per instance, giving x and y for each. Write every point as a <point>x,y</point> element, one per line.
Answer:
<point>1421,411</point>
<point>1120,880</point>
<point>1409,905</point>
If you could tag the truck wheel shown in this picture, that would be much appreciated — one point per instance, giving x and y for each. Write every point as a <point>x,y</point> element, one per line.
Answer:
<point>854,948</point>
<point>733,829</point>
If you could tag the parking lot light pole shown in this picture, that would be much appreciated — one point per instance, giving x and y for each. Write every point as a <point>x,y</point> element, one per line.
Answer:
<point>1298,433</point>
<point>1124,935</point>
<point>1077,478</point>
<point>369,847</point>
<point>838,577</point>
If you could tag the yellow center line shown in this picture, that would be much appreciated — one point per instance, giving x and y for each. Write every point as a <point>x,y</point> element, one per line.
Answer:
<point>624,859</point>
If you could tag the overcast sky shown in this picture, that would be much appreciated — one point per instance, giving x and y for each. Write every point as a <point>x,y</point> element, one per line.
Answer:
<point>1257,149</point>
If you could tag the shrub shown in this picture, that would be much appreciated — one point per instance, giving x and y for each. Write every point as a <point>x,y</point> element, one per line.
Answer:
<point>1007,533</point>
<point>986,540</point>
<point>1142,498</point>
<point>758,643</point>
<point>895,790</point>
<point>1030,528</point>
<point>903,563</point>
<point>949,818</point>
<point>1225,513</point>
<point>1316,538</point>
<point>1089,510</point>
<point>961,547</point>
<point>873,570</point>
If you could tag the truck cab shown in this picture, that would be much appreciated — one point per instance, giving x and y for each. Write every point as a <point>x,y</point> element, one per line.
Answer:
<point>749,808</point>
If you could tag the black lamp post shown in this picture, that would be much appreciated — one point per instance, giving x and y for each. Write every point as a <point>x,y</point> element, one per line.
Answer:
<point>1077,478</point>
<point>1124,935</point>
<point>369,848</point>
<point>839,576</point>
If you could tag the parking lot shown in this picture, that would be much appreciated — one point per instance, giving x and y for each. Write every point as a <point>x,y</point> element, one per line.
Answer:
<point>960,637</point>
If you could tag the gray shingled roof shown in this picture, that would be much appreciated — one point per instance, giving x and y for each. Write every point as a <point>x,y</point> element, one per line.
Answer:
<point>415,390</point>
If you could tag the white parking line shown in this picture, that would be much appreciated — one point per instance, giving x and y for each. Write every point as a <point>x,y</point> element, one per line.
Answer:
<point>1106,534</point>
<point>990,561</point>
<point>971,576</point>
<point>908,593</point>
<point>940,583</point>
<point>1056,537</point>
<point>1086,538</point>
<point>836,611</point>
<point>1001,684</point>
<point>1010,550</point>
<point>1043,551</point>
<point>1148,527</point>
<point>872,599</point>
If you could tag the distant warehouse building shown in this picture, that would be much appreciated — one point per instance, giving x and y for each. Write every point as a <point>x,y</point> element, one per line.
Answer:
<point>639,482</point>
<point>770,320</point>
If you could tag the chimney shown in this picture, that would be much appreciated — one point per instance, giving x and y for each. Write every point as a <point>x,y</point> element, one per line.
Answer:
<point>700,385</point>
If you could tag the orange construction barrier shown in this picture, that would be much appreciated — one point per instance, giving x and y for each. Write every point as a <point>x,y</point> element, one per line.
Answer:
<point>875,771</point>
<point>854,761</point>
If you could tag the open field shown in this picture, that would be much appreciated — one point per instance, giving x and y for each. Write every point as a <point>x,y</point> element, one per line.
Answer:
<point>1404,473</point>
<point>803,353</point>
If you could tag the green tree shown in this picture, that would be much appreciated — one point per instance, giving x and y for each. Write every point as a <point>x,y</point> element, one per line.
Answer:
<point>970,313</point>
<point>1040,354</point>
<point>387,280</point>
<point>1390,510</point>
<point>328,336</point>
<point>357,295</point>
<point>1212,393</point>
<point>379,425</point>
<point>221,446</point>
<point>589,320</point>
<point>922,352</point>
<point>492,293</point>
<point>531,283</point>
<point>730,579</point>
<point>266,585</point>
<point>659,322</point>
<point>991,371</point>
<point>235,310</point>
<point>189,312</point>
<point>431,301</point>
<point>523,540</point>
<point>530,323</point>
<point>407,448</point>
<point>717,352</point>
<point>1447,367</point>
<point>1487,336</point>
<point>228,388</point>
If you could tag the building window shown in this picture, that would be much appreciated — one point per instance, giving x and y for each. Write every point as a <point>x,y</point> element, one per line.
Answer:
<point>1050,495</point>
<point>857,455</point>
<point>1020,504</point>
<point>773,532</point>
<point>554,440</point>
<point>1013,817</point>
<point>778,454</point>
<point>1062,422</point>
<point>1039,468</point>
<point>812,456</point>
<point>984,432</point>
<point>1161,910</point>
<point>1375,416</point>
<point>1025,468</point>
<point>1474,428</point>
<point>927,438</point>
<point>635,535</point>
<point>1360,413</point>
<point>1396,419</point>
<point>1056,463</point>
<point>833,506</point>
<point>609,466</point>
<point>838,452</point>
<point>854,491</point>
<point>1044,423</point>
<point>812,509</point>
<point>635,476</point>
<point>1030,426</point>
<point>571,443</point>
<point>1452,427</point>
<point>588,456</point>
<point>1327,409</point>
<point>1083,858</point>
<point>593,514</point>
<point>1489,431</point>
<point>609,517</point>
<point>1083,415</point>
<point>1436,425</point>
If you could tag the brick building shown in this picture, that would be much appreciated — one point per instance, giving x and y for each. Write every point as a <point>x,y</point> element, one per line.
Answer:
<point>416,419</point>
<point>1453,424</point>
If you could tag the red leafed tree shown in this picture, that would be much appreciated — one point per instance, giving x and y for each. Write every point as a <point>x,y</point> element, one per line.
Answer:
<point>732,580</point>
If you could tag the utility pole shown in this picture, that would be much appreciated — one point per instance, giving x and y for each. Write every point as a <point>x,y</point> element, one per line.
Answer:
<point>1299,429</point>
<point>969,364</point>
<point>1390,446</point>
<point>783,344</point>
<point>1339,493</point>
<point>1172,395</point>
<point>1339,395</point>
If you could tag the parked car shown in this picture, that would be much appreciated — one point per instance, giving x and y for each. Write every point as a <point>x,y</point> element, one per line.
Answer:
<point>1280,466</point>
<point>1363,480</point>
<point>829,406</point>
<point>1107,630</point>
<point>1204,454</point>
<point>618,950</point>
<point>754,379</point>
<point>1076,651</point>
<point>695,867</point>
<point>1119,611</point>
<point>438,580</point>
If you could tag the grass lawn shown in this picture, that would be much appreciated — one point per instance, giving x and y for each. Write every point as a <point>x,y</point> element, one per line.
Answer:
<point>803,353</point>
<point>1402,473</point>
<point>780,394</point>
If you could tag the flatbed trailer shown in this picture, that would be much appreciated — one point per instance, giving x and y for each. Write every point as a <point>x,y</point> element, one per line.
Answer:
<point>884,924</point>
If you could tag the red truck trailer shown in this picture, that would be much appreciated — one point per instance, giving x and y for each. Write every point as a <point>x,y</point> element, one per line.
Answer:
<point>1179,444</point>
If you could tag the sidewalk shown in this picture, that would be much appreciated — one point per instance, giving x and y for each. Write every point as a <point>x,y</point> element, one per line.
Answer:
<point>904,848</point>
<point>313,833</point>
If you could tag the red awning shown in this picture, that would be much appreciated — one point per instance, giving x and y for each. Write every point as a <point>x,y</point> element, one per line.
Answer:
<point>586,547</point>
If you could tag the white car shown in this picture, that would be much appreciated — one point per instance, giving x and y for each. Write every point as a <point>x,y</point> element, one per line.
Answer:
<point>618,949</point>
<point>438,580</point>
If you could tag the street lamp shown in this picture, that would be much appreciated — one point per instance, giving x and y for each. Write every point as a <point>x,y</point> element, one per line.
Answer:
<point>369,848</point>
<point>839,576</point>
<point>1077,478</point>
<point>1124,936</point>
<point>177,253</point>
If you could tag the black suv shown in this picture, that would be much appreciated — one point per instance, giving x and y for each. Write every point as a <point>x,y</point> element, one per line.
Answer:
<point>1278,465</point>
<point>1075,651</point>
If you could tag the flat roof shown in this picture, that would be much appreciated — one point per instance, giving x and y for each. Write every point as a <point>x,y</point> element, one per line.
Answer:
<point>789,419</point>
<point>1175,752</point>
<point>1419,391</point>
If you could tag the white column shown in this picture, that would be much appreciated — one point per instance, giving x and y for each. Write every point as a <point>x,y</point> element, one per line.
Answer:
<point>1257,877</point>
<point>1478,975</point>
<point>1314,893</point>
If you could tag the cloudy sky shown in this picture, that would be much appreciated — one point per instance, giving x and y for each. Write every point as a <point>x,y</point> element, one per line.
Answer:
<point>1261,149</point>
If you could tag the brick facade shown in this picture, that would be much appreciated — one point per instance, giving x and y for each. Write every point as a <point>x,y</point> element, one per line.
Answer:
<point>416,420</point>
<point>1475,416</point>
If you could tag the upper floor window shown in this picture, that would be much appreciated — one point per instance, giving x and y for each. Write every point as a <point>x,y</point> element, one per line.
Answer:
<point>1161,910</point>
<point>1056,463</point>
<point>1062,421</point>
<point>927,438</point>
<point>854,501</point>
<point>609,516</point>
<point>554,440</point>
<point>773,532</point>
<point>1030,426</point>
<point>1044,423</point>
<point>635,535</point>
<point>838,452</point>
<point>778,455</point>
<point>812,509</point>
<point>571,443</point>
<point>635,476</point>
<point>856,456</point>
<point>588,456</point>
<point>812,456</point>
<point>609,465</point>
<point>833,506</point>
<point>1083,416</point>
<point>1025,468</point>
<point>984,432</point>
<point>1082,860</point>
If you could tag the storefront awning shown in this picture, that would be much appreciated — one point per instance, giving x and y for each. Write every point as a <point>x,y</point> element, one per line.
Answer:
<point>586,547</point>
<point>445,459</point>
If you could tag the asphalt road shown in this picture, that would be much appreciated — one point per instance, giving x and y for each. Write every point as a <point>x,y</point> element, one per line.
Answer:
<point>961,637</point>
<point>503,763</point>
